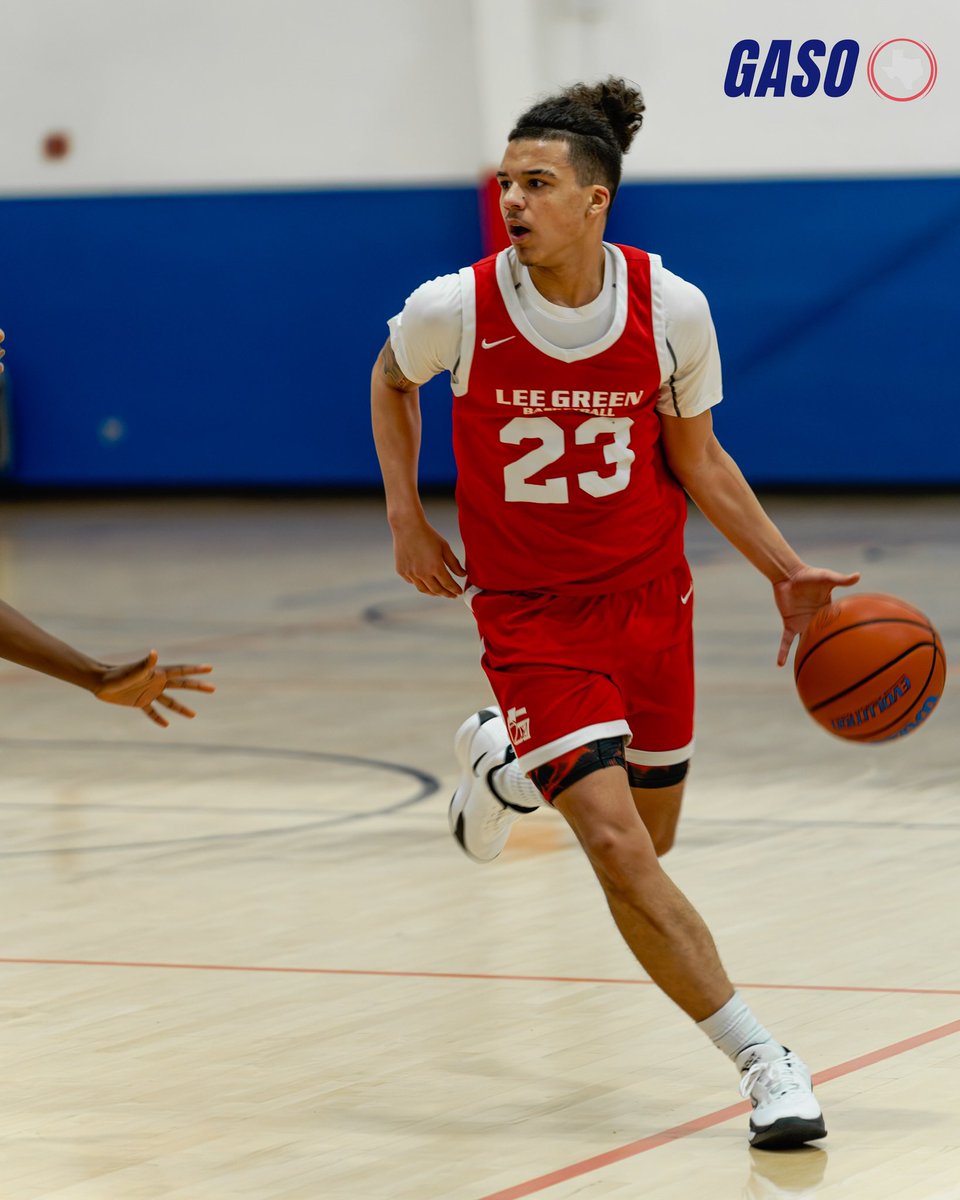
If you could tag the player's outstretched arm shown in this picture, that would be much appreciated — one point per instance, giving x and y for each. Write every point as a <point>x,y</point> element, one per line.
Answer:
<point>140,684</point>
<point>423,558</point>
<point>716,485</point>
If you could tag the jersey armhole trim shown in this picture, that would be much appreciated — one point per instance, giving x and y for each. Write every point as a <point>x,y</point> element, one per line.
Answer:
<point>460,375</point>
<point>672,381</point>
<point>668,364</point>
<point>665,354</point>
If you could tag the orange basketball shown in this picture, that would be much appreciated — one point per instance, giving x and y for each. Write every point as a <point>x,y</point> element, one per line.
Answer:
<point>870,668</point>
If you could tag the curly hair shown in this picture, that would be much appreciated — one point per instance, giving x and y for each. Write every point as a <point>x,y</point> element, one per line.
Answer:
<point>597,121</point>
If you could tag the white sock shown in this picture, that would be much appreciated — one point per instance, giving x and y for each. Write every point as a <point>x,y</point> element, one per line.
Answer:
<point>512,785</point>
<point>734,1027</point>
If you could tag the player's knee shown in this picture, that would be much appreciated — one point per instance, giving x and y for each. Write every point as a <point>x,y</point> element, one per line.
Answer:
<point>662,826</point>
<point>622,859</point>
<point>659,807</point>
<point>565,770</point>
<point>663,839</point>
<point>619,848</point>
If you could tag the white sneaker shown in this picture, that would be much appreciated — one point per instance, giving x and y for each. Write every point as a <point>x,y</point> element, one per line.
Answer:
<point>785,1110</point>
<point>479,819</point>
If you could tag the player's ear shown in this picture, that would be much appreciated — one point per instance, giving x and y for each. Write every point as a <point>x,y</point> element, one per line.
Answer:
<point>599,201</point>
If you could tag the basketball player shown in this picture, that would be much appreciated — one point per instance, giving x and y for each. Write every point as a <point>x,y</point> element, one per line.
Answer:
<point>584,375</point>
<point>140,684</point>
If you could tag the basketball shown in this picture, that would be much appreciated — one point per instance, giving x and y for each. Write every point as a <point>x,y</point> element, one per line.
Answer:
<point>870,668</point>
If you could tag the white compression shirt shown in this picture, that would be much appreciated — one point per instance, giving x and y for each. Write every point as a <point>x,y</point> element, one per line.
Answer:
<point>427,336</point>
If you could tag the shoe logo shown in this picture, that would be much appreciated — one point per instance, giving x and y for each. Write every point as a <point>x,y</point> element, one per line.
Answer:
<point>490,345</point>
<point>518,725</point>
<point>684,599</point>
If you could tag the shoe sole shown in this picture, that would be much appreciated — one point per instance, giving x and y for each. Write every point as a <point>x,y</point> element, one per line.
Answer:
<point>462,740</point>
<point>787,1133</point>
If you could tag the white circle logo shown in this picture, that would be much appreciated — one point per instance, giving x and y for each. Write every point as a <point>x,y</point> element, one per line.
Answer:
<point>902,69</point>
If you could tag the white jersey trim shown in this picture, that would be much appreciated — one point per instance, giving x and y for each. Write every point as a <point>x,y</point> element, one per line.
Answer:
<point>668,364</point>
<point>436,331</point>
<point>508,290</point>
<point>460,375</point>
<point>570,741</point>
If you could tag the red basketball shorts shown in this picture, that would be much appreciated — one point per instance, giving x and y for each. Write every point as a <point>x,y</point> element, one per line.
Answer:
<point>568,669</point>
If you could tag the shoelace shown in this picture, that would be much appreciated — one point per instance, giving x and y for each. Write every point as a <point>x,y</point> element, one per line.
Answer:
<point>780,1077</point>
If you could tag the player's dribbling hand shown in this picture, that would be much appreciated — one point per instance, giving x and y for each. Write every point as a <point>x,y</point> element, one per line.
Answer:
<point>143,684</point>
<point>425,559</point>
<point>801,597</point>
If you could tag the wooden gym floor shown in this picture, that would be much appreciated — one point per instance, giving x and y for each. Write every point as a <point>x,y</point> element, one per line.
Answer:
<point>243,958</point>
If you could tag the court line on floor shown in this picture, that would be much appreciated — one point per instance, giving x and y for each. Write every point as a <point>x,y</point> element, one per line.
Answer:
<point>587,1165</point>
<point>631,1149</point>
<point>482,976</point>
<point>427,785</point>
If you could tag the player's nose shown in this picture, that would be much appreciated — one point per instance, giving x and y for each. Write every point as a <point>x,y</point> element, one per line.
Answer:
<point>512,197</point>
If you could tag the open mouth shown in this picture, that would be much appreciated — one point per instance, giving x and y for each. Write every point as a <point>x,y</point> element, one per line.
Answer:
<point>516,230</point>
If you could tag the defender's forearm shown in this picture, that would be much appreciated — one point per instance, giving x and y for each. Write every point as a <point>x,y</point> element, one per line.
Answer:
<point>30,646</point>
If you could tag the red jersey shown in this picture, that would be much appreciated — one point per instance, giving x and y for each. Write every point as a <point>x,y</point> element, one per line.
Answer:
<point>562,485</point>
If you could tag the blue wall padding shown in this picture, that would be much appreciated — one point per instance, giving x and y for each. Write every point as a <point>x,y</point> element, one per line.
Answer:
<point>836,312</point>
<point>227,339</point>
<point>232,336</point>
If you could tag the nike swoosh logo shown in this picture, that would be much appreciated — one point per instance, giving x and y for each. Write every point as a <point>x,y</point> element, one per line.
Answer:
<point>490,345</point>
<point>684,599</point>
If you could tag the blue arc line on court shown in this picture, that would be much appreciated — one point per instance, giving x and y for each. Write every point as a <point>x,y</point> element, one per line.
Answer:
<point>427,785</point>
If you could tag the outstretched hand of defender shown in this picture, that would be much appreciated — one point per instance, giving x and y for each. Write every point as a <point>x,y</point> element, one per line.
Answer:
<point>144,684</point>
<point>801,597</point>
<point>426,560</point>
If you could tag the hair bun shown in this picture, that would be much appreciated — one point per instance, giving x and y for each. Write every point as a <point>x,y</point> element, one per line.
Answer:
<point>619,103</point>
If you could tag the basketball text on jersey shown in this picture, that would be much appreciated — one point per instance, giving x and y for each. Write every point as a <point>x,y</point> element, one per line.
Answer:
<point>540,442</point>
<point>534,400</point>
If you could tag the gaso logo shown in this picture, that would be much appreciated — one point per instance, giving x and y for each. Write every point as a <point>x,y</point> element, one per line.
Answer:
<point>902,69</point>
<point>899,69</point>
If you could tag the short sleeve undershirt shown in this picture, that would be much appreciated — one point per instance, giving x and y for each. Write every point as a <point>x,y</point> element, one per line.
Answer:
<point>426,334</point>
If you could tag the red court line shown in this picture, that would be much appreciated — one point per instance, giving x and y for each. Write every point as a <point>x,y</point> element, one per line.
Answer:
<point>631,1149</point>
<point>493,978</point>
<point>584,1167</point>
